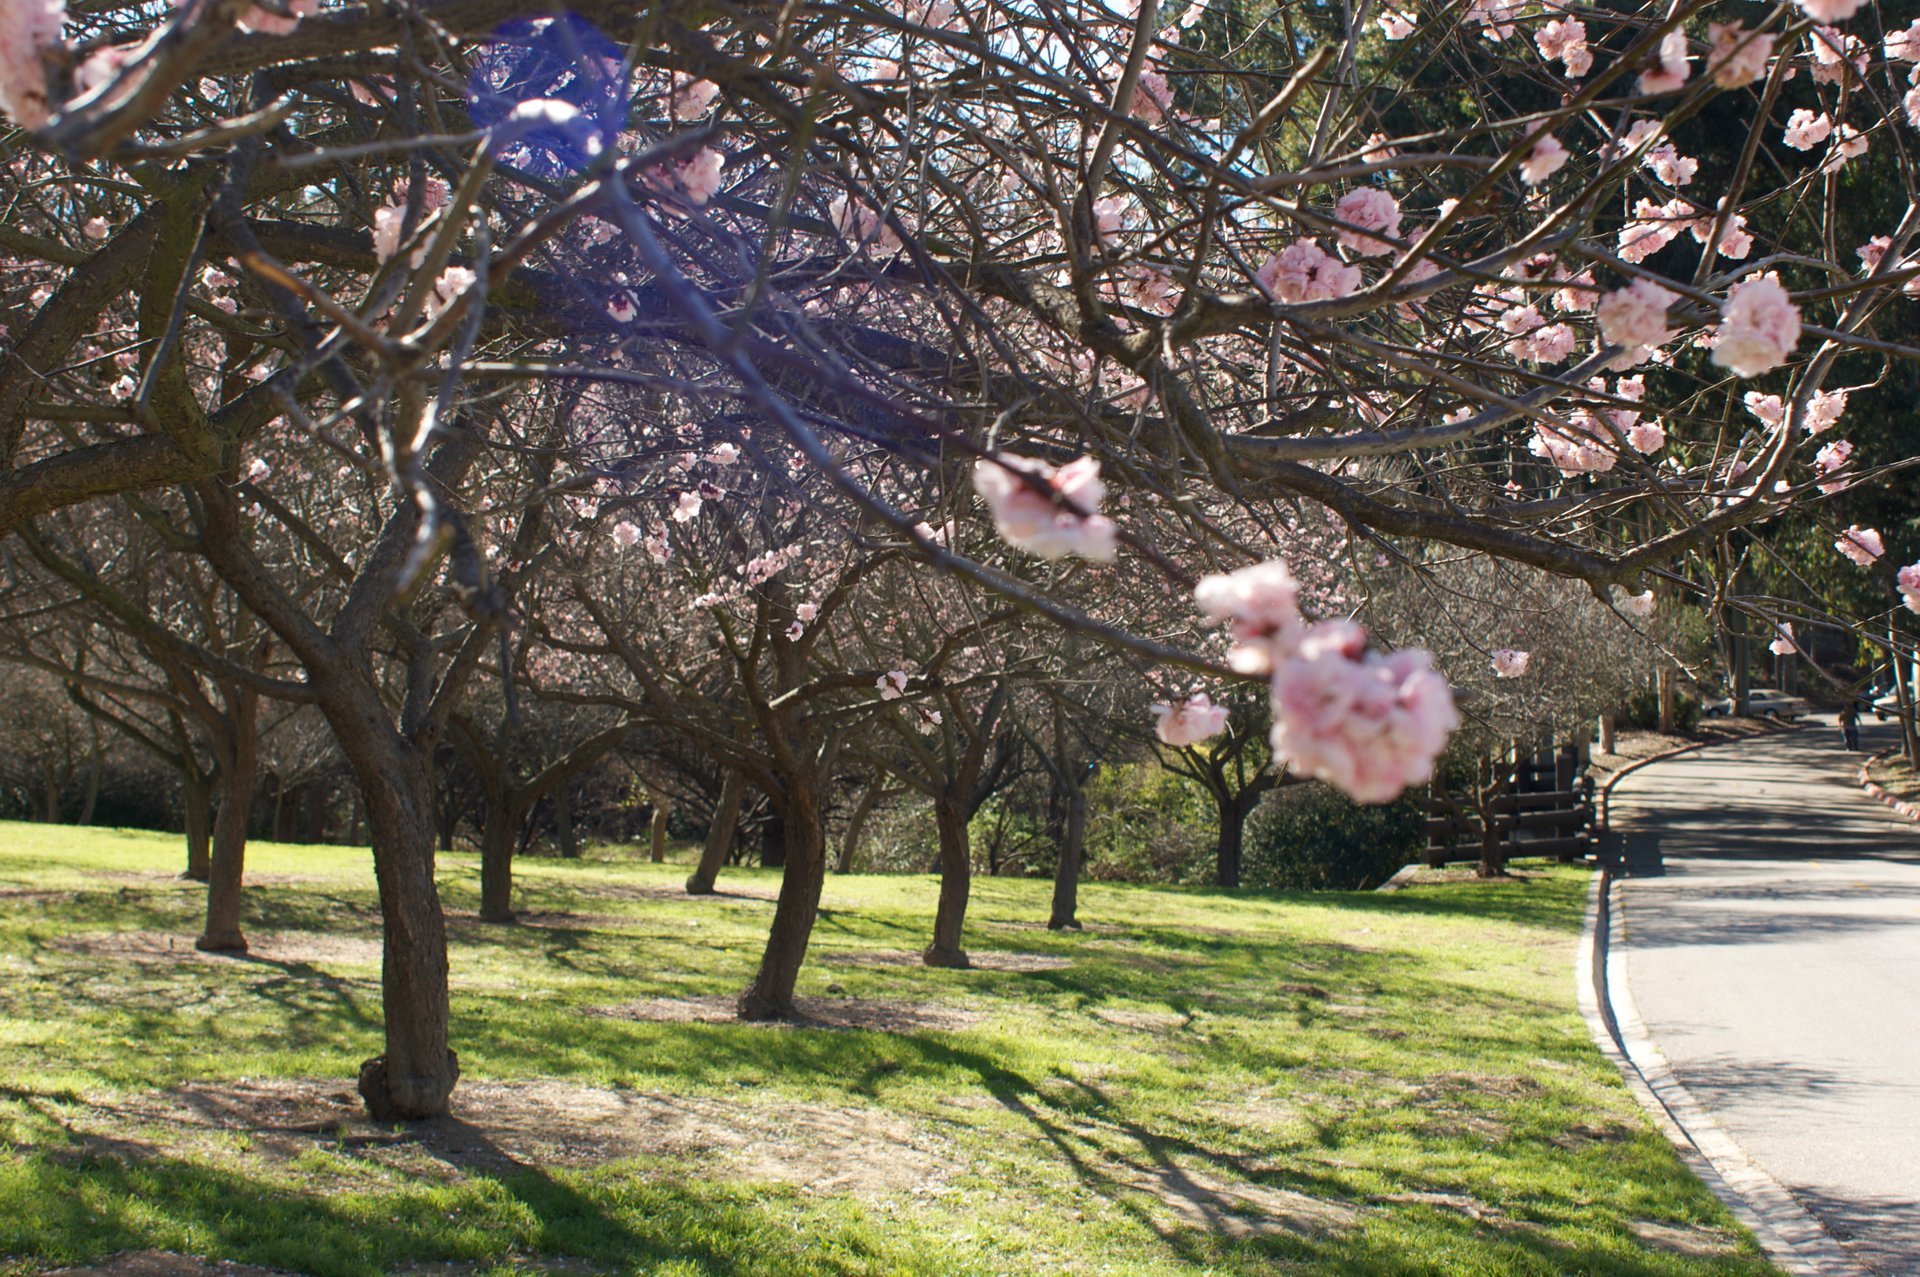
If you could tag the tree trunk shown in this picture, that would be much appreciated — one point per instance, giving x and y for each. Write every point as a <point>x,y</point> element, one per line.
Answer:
<point>51,782</point>
<point>1667,688</point>
<point>416,1074</point>
<point>1066,874</point>
<point>199,813</point>
<point>238,773</point>
<point>770,996</point>
<point>1606,733</point>
<point>956,880</point>
<point>657,828</point>
<point>96,760</point>
<point>563,821</point>
<point>773,840</point>
<point>1227,845</point>
<point>726,817</point>
<point>1493,860</point>
<point>497,832</point>
<point>857,824</point>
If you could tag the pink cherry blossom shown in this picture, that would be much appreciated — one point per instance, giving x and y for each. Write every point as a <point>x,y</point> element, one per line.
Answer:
<point>1565,39</point>
<point>1262,606</point>
<point>1152,98</point>
<point>1367,724</point>
<point>1370,209</point>
<point>1060,519</point>
<point>699,177</point>
<point>1395,26</point>
<point>1672,68</point>
<point>1640,605</point>
<point>1190,721</point>
<point>690,98</point>
<point>28,30</point>
<point>1782,644</point>
<point>1305,272</point>
<point>97,228</point>
<point>269,23</point>
<point>1903,45</point>
<point>1648,436</point>
<point>1759,327</point>
<point>1829,461</point>
<point>626,535</point>
<point>1908,579</point>
<point>1582,447</point>
<point>1849,143</point>
<point>1670,166</point>
<point>724,454</point>
<point>1829,10</point>
<point>687,508</point>
<point>1805,130</point>
<point>892,684</point>
<point>1636,315</point>
<point>1737,56</point>
<point>1862,545</point>
<point>1545,159</point>
<point>807,612</point>
<point>1824,410</point>
<point>1510,662</point>
<point>1871,252</point>
<point>862,225</point>
<point>1911,105</point>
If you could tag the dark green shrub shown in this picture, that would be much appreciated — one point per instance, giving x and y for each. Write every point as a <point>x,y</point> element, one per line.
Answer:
<point>1312,838</point>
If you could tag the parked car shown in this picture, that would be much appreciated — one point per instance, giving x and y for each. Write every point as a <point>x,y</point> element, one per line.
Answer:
<point>1764,702</point>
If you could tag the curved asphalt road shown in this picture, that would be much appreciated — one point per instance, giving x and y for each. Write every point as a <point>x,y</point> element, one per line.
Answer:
<point>1777,966</point>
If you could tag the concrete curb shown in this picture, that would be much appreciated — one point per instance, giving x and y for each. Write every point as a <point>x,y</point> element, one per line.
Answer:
<point>1906,809</point>
<point>1791,1238</point>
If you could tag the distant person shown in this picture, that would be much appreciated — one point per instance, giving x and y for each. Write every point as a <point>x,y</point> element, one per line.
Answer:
<point>1850,726</point>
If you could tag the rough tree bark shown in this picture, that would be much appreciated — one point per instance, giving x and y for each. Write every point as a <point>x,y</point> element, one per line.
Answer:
<point>726,818</point>
<point>770,996</point>
<point>198,788</point>
<point>857,824</point>
<point>239,770</point>
<point>1066,873</point>
<point>416,1074</point>
<point>956,881</point>
<point>657,827</point>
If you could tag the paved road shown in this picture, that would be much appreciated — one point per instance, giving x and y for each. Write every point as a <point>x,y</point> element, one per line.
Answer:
<point>1777,966</point>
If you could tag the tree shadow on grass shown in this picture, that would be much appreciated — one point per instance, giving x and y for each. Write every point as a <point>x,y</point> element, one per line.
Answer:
<point>57,1212</point>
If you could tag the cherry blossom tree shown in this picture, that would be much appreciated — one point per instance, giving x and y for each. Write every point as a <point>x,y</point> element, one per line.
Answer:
<point>1130,283</point>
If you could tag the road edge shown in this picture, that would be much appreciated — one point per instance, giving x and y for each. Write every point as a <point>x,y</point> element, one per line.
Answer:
<point>1603,799</point>
<point>1790,1237</point>
<point>1874,791</point>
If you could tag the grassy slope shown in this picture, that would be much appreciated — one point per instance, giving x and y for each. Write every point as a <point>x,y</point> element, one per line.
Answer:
<point>1356,1048</point>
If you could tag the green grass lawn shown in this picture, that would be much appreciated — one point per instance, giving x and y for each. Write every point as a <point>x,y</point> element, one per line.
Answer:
<point>1202,1082</point>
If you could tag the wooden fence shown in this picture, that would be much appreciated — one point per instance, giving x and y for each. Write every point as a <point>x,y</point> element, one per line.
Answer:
<point>1537,803</point>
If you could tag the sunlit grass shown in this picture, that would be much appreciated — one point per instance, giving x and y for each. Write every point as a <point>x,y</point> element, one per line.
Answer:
<point>1415,1060</point>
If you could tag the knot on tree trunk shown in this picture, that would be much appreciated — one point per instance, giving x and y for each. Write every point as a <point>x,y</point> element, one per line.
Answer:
<point>406,1099</point>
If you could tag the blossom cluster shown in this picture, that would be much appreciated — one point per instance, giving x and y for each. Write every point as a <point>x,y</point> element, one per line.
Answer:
<point>1367,723</point>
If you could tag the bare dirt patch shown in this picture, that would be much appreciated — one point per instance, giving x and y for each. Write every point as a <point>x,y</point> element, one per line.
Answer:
<point>981,959</point>
<point>1469,874</point>
<point>879,1015</point>
<point>544,920</point>
<point>291,948</point>
<point>501,1126</point>
<point>1148,1021</point>
<point>160,1263</point>
<point>647,891</point>
<point>1196,1199</point>
<point>1692,1240</point>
